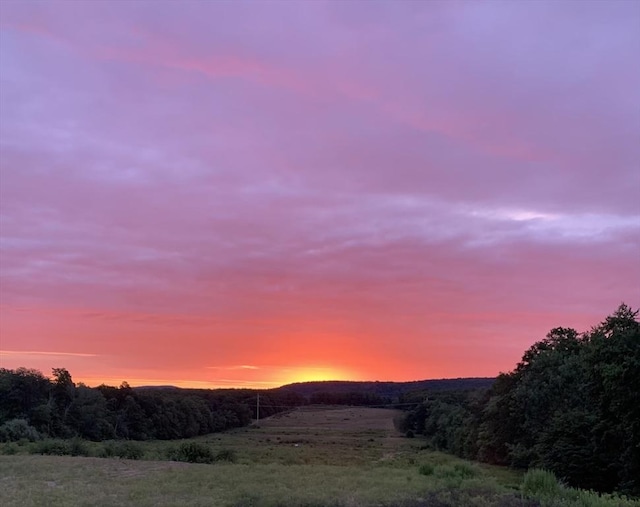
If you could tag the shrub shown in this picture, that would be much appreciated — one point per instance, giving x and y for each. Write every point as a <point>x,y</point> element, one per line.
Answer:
<point>540,484</point>
<point>18,429</point>
<point>109,450</point>
<point>125,450</point>
<point>77,447</point>
<point>426,469</point>
<point>130,450</point>
<point>543,486</point>
<point>192,452</point>
<point>400,422</point>
<point>51,447</point>
<point>9,449</point>
<point>409,434</point>
<point>465,470</point>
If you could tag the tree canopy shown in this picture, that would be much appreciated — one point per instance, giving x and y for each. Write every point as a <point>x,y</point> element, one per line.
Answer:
<point>572,406</point>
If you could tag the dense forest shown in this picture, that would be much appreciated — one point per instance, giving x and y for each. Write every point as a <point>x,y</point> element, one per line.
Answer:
<point>34,406</point>
<point>32,403</point>
<point>375,393</point>
<point>572,406</point>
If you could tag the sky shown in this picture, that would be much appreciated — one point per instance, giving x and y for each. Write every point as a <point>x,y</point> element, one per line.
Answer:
<point>252,193</point>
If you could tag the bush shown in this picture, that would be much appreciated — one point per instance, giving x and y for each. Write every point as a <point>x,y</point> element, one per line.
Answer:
<point>125,450</point>
<point>18,429</point>
<point>108,450</point>
<point>400,422</point>
<point>465,470</point>
<point>543,486</point>
<point>455,474</point>
<point>426,469</point>
<point>192,452</point>
<point>540,484</point>
<point>9,449</point>
<point>77,447</point>
<point>51,447</point>
<point>130,450</point>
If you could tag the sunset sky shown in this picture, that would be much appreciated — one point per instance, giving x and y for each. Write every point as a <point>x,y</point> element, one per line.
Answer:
<point>231,193</point>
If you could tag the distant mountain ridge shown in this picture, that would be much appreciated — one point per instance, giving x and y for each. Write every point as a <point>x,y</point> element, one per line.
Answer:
<point>385,389</point>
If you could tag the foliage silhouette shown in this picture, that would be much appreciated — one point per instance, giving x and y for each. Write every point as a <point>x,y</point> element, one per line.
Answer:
<point>571,406</point>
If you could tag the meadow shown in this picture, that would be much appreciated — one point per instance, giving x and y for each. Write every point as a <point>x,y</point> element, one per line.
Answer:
<point>313,456</point>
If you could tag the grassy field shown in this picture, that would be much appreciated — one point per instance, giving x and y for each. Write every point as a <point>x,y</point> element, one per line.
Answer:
<point>309,457</point>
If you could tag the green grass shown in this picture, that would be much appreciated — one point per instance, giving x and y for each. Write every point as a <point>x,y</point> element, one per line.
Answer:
<point>342,458</point>
<point>63,480</point>
<point>544,487</point>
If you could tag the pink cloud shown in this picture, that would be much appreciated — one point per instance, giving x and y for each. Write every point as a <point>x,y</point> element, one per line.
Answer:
<point>399,191</point>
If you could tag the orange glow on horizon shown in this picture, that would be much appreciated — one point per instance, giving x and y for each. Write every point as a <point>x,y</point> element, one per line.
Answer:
<point>317,374</point>
<point>182,383</point>
<point>277,378</point>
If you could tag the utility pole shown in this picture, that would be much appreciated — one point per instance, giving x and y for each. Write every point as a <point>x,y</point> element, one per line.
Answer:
<point>258,409</point>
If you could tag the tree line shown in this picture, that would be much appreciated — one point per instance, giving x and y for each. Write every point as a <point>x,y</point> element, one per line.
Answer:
<point>382,392</point>
<point>34,406</point>
<point>571,406</point>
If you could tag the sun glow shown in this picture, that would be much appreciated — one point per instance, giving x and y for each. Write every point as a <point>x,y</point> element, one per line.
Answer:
<point>254,377</point>
<point>316,373</point>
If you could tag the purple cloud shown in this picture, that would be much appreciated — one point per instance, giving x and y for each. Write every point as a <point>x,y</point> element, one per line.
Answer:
<point>314,184</point>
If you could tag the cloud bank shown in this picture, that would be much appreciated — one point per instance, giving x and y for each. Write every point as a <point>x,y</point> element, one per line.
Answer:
<point>375,190</point>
